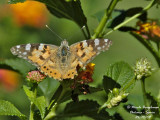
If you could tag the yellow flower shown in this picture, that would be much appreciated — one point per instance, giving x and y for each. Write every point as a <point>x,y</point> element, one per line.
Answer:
<point>29,13</point>
<point>149,30</point>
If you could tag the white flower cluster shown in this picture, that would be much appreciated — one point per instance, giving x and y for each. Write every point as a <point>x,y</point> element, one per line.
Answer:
<point>143,68</point>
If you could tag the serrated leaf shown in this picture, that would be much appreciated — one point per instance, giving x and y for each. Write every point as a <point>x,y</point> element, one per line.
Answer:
<point>124,78</point>
<point>120,72</point>
<point>15,1</point>
<point>40,102</point>
<point>41,105</point>
<point>70,10</point>
<point>85,107</point>
<point>7,108</point>
<point>20,65</point>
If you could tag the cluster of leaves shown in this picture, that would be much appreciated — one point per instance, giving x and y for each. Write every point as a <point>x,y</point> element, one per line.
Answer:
<point>117,82</point>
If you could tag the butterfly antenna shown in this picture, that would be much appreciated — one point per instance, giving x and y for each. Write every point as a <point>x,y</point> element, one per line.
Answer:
<point>54,32</point>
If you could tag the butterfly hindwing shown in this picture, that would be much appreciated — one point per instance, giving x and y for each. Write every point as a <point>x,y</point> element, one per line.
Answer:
<point>86,50</point>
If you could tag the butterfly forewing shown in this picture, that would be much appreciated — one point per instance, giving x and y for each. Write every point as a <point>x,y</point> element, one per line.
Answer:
<point>37,54</point>
<point>86,50</point>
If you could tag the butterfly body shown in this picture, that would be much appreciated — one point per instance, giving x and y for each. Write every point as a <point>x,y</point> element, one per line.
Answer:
<point>61,62</point>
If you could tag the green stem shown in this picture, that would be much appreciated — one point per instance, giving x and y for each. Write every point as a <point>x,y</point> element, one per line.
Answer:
<point>51,109</point>
<point>146,103</point>
<point>133,17</point>
<point>128,85</point>
<point>104,19</point>
<point>148,45</point>
<point>32,106</point>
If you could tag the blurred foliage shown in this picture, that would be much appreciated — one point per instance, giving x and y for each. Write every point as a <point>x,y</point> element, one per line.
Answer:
<point>24,23</point>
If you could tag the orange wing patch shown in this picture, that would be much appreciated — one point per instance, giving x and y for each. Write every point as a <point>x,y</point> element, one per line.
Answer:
<point>35,57</point>
<point>51,72</point>
<point>84,51</point>
<point>70,74</point>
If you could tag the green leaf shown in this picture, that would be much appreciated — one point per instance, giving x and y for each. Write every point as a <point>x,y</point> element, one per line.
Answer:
<point>121,77</point>
<point>85,107</point>
<point>20,65</point>
<point>48,86</point>
<point>128,13</point>
<point>70,10</point>
<point>40,102</point>
<point>61,95</point>
<point>7,108</point>
<point>122,73</point>
<point>41,105</point>
<point>15,1</point>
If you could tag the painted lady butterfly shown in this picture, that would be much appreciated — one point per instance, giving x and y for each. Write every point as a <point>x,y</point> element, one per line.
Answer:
<point>61,62</point>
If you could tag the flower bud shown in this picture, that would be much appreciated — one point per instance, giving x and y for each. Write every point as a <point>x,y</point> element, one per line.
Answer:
<point>143,68</point>
<point>35,76</point>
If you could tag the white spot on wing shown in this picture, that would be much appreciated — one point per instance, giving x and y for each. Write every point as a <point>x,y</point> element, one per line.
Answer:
<point>96,41</point>
<point>106,43</point>
<point>106,40</point>
<point>40,47</point>
<point>84,43</point>
<point>25,53</point>
<point>28,46</point>
<point>99,48</point>
<point>18,46</point>
<point>13,52</point>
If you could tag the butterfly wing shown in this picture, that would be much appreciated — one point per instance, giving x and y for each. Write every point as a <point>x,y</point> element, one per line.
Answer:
<point>87,50</point>
<point>41,55</point>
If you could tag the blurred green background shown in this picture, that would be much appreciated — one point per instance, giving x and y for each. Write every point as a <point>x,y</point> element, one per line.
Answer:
<point>125,47</point>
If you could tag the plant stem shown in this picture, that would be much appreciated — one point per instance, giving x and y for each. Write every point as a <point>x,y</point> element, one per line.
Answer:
<point>32,106</point>
<point>133,17</point>
<point>128,84</point>
<point>148,45</point>
<point>104,19</point>
<point>51,109</point>
<point>146,103</point>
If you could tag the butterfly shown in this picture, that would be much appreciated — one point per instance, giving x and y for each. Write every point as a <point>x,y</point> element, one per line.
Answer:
<point>60,62</point>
